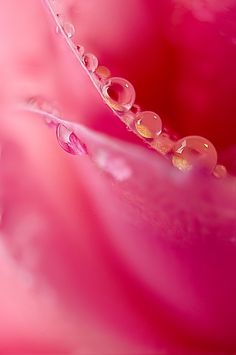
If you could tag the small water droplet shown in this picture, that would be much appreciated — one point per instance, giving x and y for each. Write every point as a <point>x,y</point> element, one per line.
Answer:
<point>115,166</point>
<point>194,151</point>
<point>69,141</point>
<point>80,49</point>
<point>90,61</point>
<point>129,118</point>
<point>69,29</point>
<point>163,143</point>
<point>148,124</point>
<point>102,72</point>
<point>135,109</point>
<point>220,171</point>
<point>119,94</point>
<point>58,30</point>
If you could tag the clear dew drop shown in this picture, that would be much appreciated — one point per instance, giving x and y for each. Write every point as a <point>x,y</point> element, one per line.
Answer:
<point>194,151</point>
<point>102,72</point>
<point>119,94</point>
<point>90,61</point>
<point>80,49</point>
<point>69,29</point>
<point>163,143</point>
<point>220,171</point>
<point>69,141</point>
<point>148,124</point>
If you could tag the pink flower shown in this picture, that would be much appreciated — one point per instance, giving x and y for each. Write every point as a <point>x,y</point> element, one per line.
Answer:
<point>113,251</point>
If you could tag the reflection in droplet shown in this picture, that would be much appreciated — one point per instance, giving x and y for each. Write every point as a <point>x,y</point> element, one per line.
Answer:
<point>90,61</point>
<point>148,124</point>
<point>80,49</point>
<point>119,94</point>
<point>194,151</point>
<point>115,166</point>
<point>69,141</point>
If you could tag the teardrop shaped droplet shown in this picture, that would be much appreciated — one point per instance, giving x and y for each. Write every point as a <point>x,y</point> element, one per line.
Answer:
<point>119,94</point>
<point>102,72</point>
<point>69,29</point>
<point>163,143</point>
<point>69,141</point>
<point>194,151</point>
<point>220,171</point>
<point>148,124</point>
<point>90,61</point>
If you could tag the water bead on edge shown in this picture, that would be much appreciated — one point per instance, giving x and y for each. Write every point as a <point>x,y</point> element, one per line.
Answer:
<point>148,124</point>
<point>90,61</point>
<point>193,151</point>
<point>119,94</point>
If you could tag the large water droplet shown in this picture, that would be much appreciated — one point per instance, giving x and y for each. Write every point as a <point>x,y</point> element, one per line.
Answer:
<point>69,29</point>
<point>119,94</point>
<point>194,151</point>
<point>148,124</point>
<point>90,61</point>
<point>69,141</point>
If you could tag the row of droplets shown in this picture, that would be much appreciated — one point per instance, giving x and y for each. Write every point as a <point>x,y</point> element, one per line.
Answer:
<point>119,94</point>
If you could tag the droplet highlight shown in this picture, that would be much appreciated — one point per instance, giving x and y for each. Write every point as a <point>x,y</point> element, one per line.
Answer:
<point>90,61</point>
<point>194,151</point>
<point>69,141</point>
<point>148,124</point>
<point>119,94</point>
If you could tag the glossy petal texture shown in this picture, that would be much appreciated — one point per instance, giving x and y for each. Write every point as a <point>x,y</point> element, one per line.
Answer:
<point>107,252</point>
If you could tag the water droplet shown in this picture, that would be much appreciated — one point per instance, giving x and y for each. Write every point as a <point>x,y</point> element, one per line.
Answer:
<point>148,124</point>
<point>129,118</point>
<point>80,49</point>
<point>220,171</point>
<point>102,72</point>
<point>69,29</point>
<point>115,166</point>
<point>90,61</point>
<point>194,151</point>
<point>163,143</point>
<point>135,108</point>
<point>119,94</point>
<point>69,141</point>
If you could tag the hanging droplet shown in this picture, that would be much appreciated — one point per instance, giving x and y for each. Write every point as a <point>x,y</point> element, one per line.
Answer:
<point>102,72</point>
<point>194,151</point>
<point>119,94</point>
<point>90,61</point>
<point>69,141</point>
<point>148,124</point>
<point>220,171</point>
<point>163,143</point>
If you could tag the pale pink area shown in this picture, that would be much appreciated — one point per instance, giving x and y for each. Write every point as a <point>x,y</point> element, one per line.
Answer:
<point>116,252</point>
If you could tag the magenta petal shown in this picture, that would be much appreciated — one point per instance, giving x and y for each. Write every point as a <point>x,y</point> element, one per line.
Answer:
<point>147,251</point>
